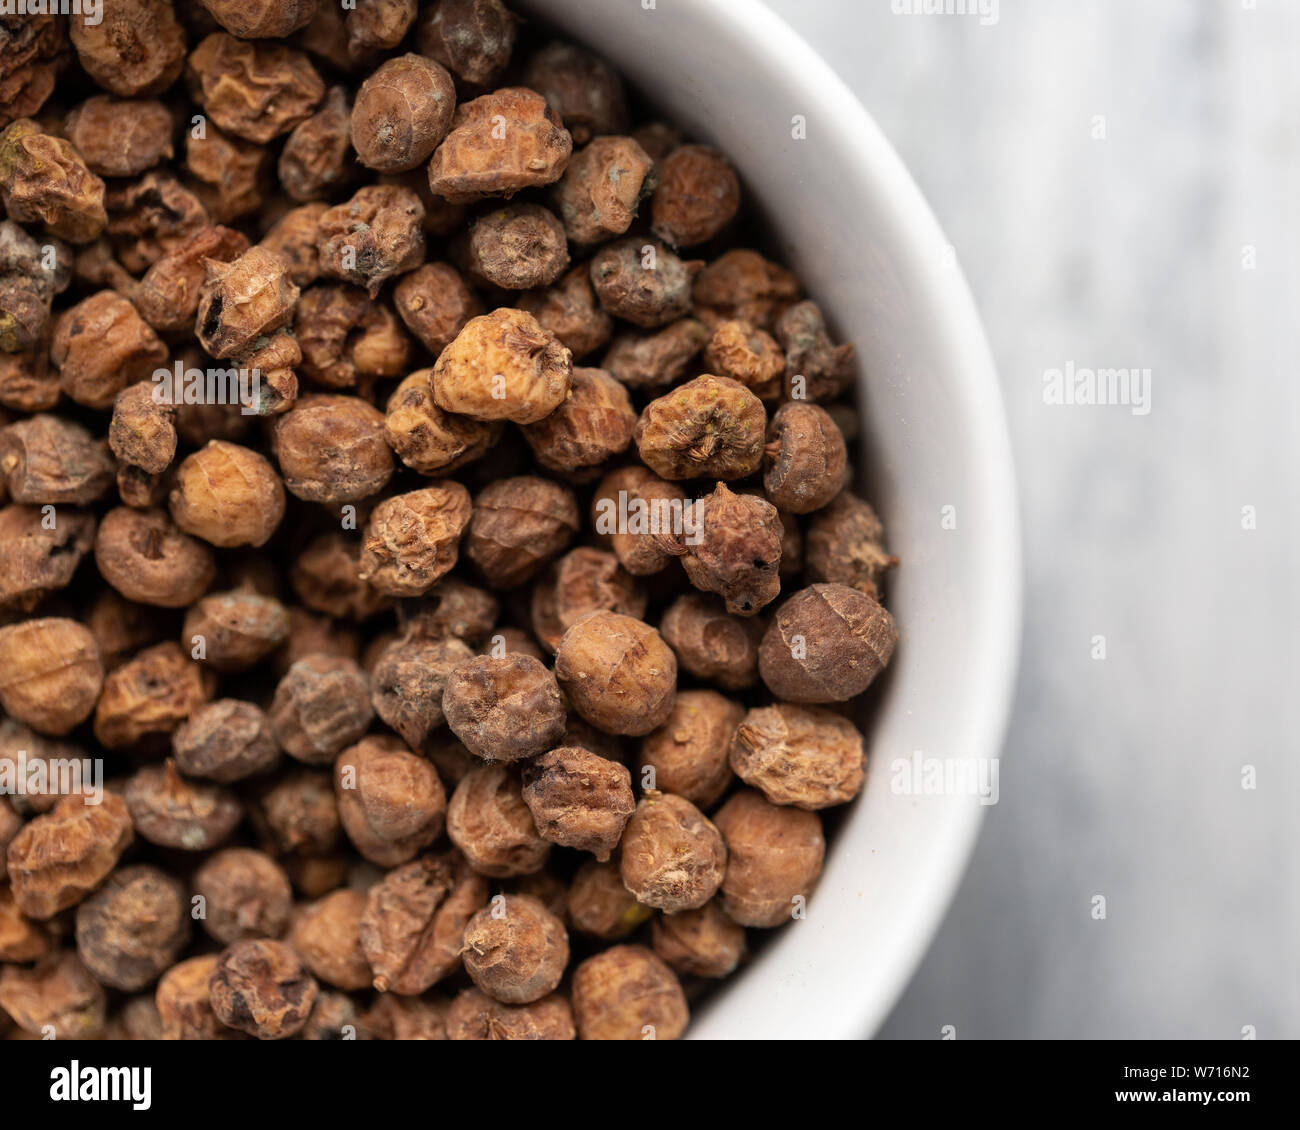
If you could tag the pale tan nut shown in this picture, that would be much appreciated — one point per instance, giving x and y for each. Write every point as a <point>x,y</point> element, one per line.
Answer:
<point>474,1015</point>
<point>427,438</point>
<point>630,507</point>
<point>377,234</point>
<point>256,90</point>
<point>41,557</point>
<point>171,812</point>
<point>331,449</point>
<point>241,301</point>
<point>579,799</point>
<point>504,708</point>
<point>391,802</point>
<point>583,580</point>
<point>602,188</point>
<point>234,631</point>
<point>143,429</point>
<point>518,525</point>
<point>641,281</point>
<point>184,1006</point>
<point>618,673</point>
<point>58,998</point>
<point>515,247</point>
<point>227,495</point>
<point>628,993</point>
<point>137,48</point>
<point>167,297</point>
<point>748,355</point>
<point>325,577</point>
<point>489,822</point>
<point>377,25</point>
<point>225,741</point>
<point>261,19</point>
<point>260,987</point>
<point>21,939</point>
<point>588,429</point>
<point>326,934</point>
<point>402,112</point>
<point>712,644</point>
<point>711,427</point>
<point>100,346</point>
<point>672,857</point>
<point>50,673</point>
<point>407,683</point>
<point>806,458</point>
<point>43,180</point>
<point>803,756</point>
<point>133,928</point>
<point>815,368</point>
<point>294,237</point>
<point>742,285</point>
<point>435,304</point>
<point>147,697</point>
<point>230,176</point>
<point>349,338</point>
<point>582,88</point>
<point>516,949</point>
<point>498,144</point>
<point>149,216</point>
<point>471,38</point>
<point>827,643</point>
<point>699,943</point>
<point>317,155</point>
<point>698,196</point>
<point>60,857</point>
<point>47,460</point>
<point>774,858</point>
<point>846,546</point>
<point>569,310</point>
<point>656,359</point>
<point>503,366</point>
<point>412,539</point>
<point>143,555</point>
<point>119,137</point>
<point>599,906</point>
<point>688,754</point>
<point>321,706</point>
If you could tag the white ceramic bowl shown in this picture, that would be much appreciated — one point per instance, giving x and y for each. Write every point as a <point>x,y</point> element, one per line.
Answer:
<point>845,214</point>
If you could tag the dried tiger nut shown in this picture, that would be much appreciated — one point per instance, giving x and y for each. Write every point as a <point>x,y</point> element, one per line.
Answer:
<point>815,368</point>
<point>672,857</point>
<point>806,458</point>
<point>327,936</point>
<point>294,237</point>
<point>733,548</point>
<point>21,939</point>
<point>41,556</point>
<point>47,460</point>
<point>120,137</point>
<point>593,425</point>
<point>618,673</point>
<point>688,754</point>
<point>60,857</point>
<point>584,90</point>
<point>412,539</point>
<point>317,155</point>
<point>345,336</point>
<point>518,525</point>
<point>657,359</point>
<point>46,760</point>
<point>826,644</point>
<point>138,1019</point>
<point>391,802</point>
<point>143,429</point>
<point>711,427</point>
<point>516,949</point>
<point>233,631</point>
<point>241,301</point>
<point>579,799</point>
<point>698,196</point>
<point>227,495</point>
<point>132,928</point>
<point>846,546</point>
<point>406,684</point>
<point>584,580</point>
<point>600,906</point>
<point>32,272</point>
<point>428,439</point>
<point>321,706</point>
<point>301,813</point>
<point>742,285</point>
<point>474,1015</point>
<point>601,189</point>
<point>172,812</point>
<point>137,48</point>
<point>628,993</point>
<point>405,1018</point>
<point>489,822</point>
<point>711,644</point>
<point>699,943</point>
<point>748,355</point>
<point>256,90</point>
<point>641,281</point>
<point>147,697</point>
<point>569,310</point>
<point>435,304</point>
<point>50,673</point>
<point>503,366</point>
<point>43,180</point>
<point>454,609</point>
<point>56,999</point>
<point>225,741</point>
<point>402,112</point>
<point>629,508</point>
<point>504,708</point>
<point>774,857</point>
<point>29,382</point>
<point>147,559</point>
<point>516,247</point>
<point>377,25</point>
<point>150,216</point>
<point>331,449</point>
<point>167,297</point>
<point>498,144</point>
<point>230,176</point>
<point>803,756</point>
<point>100,346</point>
<point>184,1006</point>
<point>274,384</point>
<point>375,235</point>
<point>260,987</point>
<point>471,38</point>
<point>261,19</point>
<point>513,641</point>
<point>325,578</point>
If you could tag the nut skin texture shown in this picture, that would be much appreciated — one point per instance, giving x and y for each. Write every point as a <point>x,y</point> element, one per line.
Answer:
<point>317,155</point>
<point>569,310</point>
<point>237,629</point>
<point>618,673</point>
<point>435,304</point>
<point>658,358</point>
<point>471,38</point>
<point>579,799</point>
<point>326,935</point>
<point>642,282</point>
<point>845,546</point>
<point>407,684</point>
<point>246,895</point>
<point>518,525</point>
<point>331,449</point>
<point>168,295</point>
<point>184,1006</point>
<point>137,48</point>
<point>597,198</point>
<point>699,943</point>
<point>712,644</point>
<point>261,19</point>
<point>147,697</point>
<point>59,993</point>
<point>132,929</point>
<point>100,346</point>
<point>143,431</point>
<point>40,560</point>
<point>515,949</point>
<point>50,673</point>
<point>44,180</point>
<point>46,460</point>
<point>21,939</point>
<point>301,813</point>
<point>689,753</point>
<point>515,247</point>
<point>748,355</point>
<point>227,495</point>
<point>504,708</point>
<point>588,429</point>
<point>321,706</point>
<point>260,987</point>
<point>174,813</point>
<point>391,802</point>
<point>583,580</point>
<point>428,439</point>
<point>119,137</point>
<point>377,234</point>
<point>628,993</point>
<point>583,89</point>
<point>255,90</point>
<point>600,906</point>
<point>826,369</point>
<point>347,338</point>
<point>774,855</point>
<point>325,577</point>
<point>402,112</point>
<point>698,196</point>
<point>803,756</point>
<point>242,301</point>
<point>412,540</point>
<point>474,1015</point>
<point>489,822</point>
<point>845,639</point>
<point>146,558</point>
<point>806,458</point>
<point>741,285</point>
<point>710,427</point>
<point>673,858</point>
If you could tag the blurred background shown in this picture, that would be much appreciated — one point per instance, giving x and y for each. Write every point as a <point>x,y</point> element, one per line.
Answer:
<point>1121,183</point>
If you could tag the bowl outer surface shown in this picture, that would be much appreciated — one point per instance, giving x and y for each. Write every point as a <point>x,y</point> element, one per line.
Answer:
<point>844,213</point>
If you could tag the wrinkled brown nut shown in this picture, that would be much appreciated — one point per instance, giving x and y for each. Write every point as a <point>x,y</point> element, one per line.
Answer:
<point>799,755</point>
<point>49,460</point>
<point>21,939</point>
<point>233,631</point>
<point>688,754</point>
<point>57,998</point>
<point>377,25</point>
<point>455,609</point>
<point>245,893</point>
<point>227,495</point>
<point>774,857</point>
<point>29,382</point>
<point>846,546</point>
<point>331,449</point>
<point>412,539</point>
<point>172,812</point>
<point>748,355</point>
<point>630,507</point>
<point>672,857</point>
<point>711,644</point>
<point>44,180</point>
<point>50,673</point>
<point>402,112</point>
<point>474,1015</point>
<point>147,697</point>
<point>261,19</point>
<point>301,813</point>
<point>698,196</point>
<point>272,384</point>
<point>741,285</point>
<point>225,741</point>
<point>471,38</point>
<point>604,184</point>
<point>347,337</point>
<point>500,143</point>
<point>147,559</point>
<point>826,644</point>
<point>167,297</point>
<point>503,366</point>
<point>815,368</point>
<point>628,993</point>
<point>132,928</point>
<point>515,247</point>
<point>184,1006</point>
<point>618,673</point>
<point>504,709</point>
<point>241,301</point>
<point>489,822</point>
<point>321,706</point>
<point>47,768</point>
<point>60,857</point>
<point>310,634</point>
<point>335,1016</point>
<point>513,641</point>
<point>654,360</point>
<point>428,439</point>
<point>325,578</point>
<point>317,156</point>
<point>100,346</point>
<point>375,235</point>
<point>32,272</point>
<point>137,48</point>
<point>582,89</point>
<point>256,90</point>
<point>642,281</point>
<point>579,799</point>
<point>391,802</point>
<point>569,310</point>
<point>711,427</point>
<point>582,581</point>
<point>119,137</point>
<point>121,627</point>
<point>435,304</point>
<point>35,51</point>
<point>600,906</point>
<point>806,458</point>
<point>41,556</point>
<point>294,238</point>
<point>140,490</point>
<point>260,987</point>
<point>589,428</point>
<point>327,936</point>
<point>699,943</point>
<point>150,216</point>
<point>404,1018</point>
<point>406,684</point>
<point>516,949</point>
<point>518,525</point>
<point>143,430</point>
<point>230,176</point>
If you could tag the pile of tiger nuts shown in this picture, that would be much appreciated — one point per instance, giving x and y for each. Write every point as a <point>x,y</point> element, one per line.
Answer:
<point>431,603</point>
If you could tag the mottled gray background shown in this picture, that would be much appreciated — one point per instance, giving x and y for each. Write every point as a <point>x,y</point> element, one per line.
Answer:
<point>1123,777</point>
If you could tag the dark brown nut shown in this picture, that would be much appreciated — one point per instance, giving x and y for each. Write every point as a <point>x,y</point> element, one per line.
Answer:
<point>121,627</point>
<point>504,708</point>
<point>588,429</point>
<point>21,939</point>
<point>59,858</point>
<point>516,247</point>
<point>41,555</point>
<point>413,928</point>
<point>741,285</point>
<point>172,812</point>
<point>168,295</point>
<point>799,755</point>
<point>377,25</point>
<point>137,1020</point>
<point>600,906</point>
<point>569,310</point>
<point>656,360</point>
<point>143,430</point>
<point>233,631</point>
<point>699,943</point>
<point>50,673</point>
<point>435,304</point>
<point>321,706</point>
<point>516,949</point>
<point>457,610</point>
<point>579,799</point>
<point>498,144</point>
<point>120,137</point>
<point>428,439</point>
<point>227,495</point>
<point>137,48</point>
<point>146,698</point>
<point>310,634</point>
<point>375,235</point>
<point>550,890</point>
<point>294,237</point>
<point>49,460</point>
<point>184,1006</point>
<point>255,90</point>
<point>325,577</point>
<point>711,644</point>
<point>55,999</point>
<point>672,857</point>
<point>748,355</point>
<point>314,876</point>
<point>628,993</point>
<point>711,427</point>
<point>346,337</point>
<point>260,987</point>
<point>601,189</point>
<point>405,1018</point>
<point>658,138</point>
<point>32,272</point>
<point>698,196</point>
<point>245,894</point>
<point>225,741</point>
<point>327,936</point>
<point>846,546</point>
<point>261,19</point>
<point>391,802</point>
<point>230,176</point>
<point>471,38</point>
<point>688,755</point>
<point>806,458</point>
<point>490,823</point>
<point>301,813</point>
<point>241,301</point>
<point>413,539</point>
<point>43,180</point>
<point>132,928</point>
<point>331,449</point>
<point>407,683</point>
<point>826,644</point>
<point>100,346</point>
<point>140,490</point>
<point>518,525</point>
<point>34,53</point>
<point>336,1016</point>
<point>147,559</point>
<point>618,673</point>
<point>402,112</point>
<point>584,90</point>
<point>583,580</point>
<point>815,368</point>
<point>150,216</point>
<point>317,157</point>
<point>642,281</point>
<point>29,382</point>
<point>503,366</point>
<point>630,508</point>
<point>474,1015</point>
<point>774,857</point>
